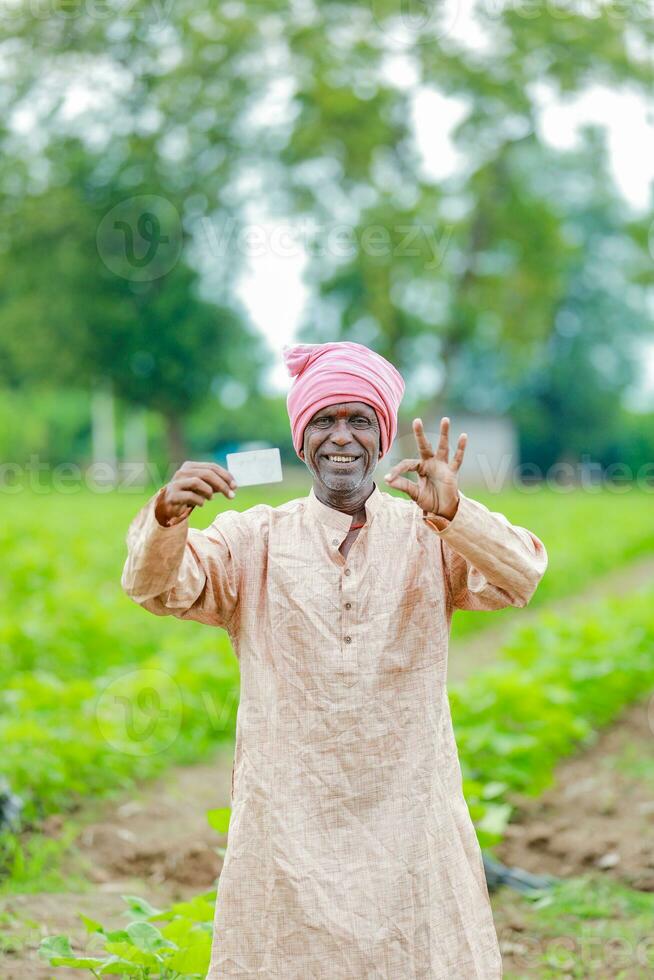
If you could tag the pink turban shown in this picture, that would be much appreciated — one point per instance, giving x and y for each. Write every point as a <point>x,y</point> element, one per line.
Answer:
<point>341,372</point>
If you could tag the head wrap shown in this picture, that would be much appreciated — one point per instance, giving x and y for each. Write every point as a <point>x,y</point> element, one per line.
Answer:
<point>341,372</point>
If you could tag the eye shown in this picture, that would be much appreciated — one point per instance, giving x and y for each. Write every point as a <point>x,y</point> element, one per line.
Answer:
<point>361,421</point>
<point>322,422</point>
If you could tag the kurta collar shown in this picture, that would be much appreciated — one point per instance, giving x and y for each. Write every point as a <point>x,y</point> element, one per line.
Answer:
<point>336,518</point>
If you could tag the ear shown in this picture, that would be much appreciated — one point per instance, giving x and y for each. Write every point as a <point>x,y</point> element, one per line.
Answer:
<point>301,454</point>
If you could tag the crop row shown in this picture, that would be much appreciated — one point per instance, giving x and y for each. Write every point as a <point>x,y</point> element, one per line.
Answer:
<point>560,681</point>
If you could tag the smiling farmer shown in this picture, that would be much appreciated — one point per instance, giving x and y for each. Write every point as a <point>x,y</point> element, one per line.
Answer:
<point>351,852</point>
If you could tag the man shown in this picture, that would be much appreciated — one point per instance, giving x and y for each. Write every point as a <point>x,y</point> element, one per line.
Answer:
<point>351,852</point>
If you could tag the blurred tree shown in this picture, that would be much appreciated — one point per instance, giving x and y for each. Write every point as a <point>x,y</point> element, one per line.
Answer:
<point>310,108</point>
<point>483,258</point>
<point>215,424</point>
<point>77,313</point>
<point>426,291</point>
<point>164,101</point>
<point>566,391</point>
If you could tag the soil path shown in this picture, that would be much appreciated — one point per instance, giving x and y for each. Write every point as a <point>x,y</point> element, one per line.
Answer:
<point>597,817</point>
<point>156,843</point>
<point>599,813</point>
<point>596,821</point>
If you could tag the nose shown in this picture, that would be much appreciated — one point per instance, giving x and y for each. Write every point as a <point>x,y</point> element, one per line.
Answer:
<point>341,433</point>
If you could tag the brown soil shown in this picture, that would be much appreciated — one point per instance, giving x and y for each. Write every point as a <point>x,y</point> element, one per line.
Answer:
<point>156,844</point>
<point>162,836</point>
<point>599,814</point>
<point>596,820</point>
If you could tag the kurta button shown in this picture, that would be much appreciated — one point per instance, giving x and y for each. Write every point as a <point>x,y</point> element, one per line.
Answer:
<point>348,605</point>
<point>347,571</point>
<point>348,639</point>
<point>334,541</point>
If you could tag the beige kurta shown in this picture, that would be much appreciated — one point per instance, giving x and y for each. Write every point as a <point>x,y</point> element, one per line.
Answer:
<point>351,852</point>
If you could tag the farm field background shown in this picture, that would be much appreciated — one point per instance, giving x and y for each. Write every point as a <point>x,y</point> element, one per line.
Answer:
<point>70,630</point>
<point>461,188</point>
<point>76,651</point>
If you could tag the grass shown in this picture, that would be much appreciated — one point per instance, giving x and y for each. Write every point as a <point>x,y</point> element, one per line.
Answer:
<point>585,927</point>
<point>16,933</point>
<point>34,862</point>
<point>562,679</point>
<point>586,535</point>
<point>75,650</point>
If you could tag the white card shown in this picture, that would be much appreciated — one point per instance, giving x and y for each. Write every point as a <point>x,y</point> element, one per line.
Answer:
<point>256,466</point>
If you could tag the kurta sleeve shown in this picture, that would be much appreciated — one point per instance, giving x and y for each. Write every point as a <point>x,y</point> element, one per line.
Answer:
<point>488,563</point>
<point>181,571</point>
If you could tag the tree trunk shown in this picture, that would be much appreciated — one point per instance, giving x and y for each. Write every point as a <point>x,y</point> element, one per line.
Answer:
<point>177,450</point>
<point>103,432</point>
<point>135,437</point>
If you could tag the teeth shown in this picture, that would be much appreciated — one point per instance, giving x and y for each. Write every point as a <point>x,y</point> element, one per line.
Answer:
<point>342,459</point>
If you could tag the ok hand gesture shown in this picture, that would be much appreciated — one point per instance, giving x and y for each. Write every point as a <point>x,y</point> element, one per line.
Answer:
<point>436,491</point>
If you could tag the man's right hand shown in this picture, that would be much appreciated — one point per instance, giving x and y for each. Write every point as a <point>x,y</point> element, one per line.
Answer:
<point>192,484</point>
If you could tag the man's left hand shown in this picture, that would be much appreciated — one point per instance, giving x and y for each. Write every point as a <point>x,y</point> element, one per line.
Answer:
<point>436,491</point>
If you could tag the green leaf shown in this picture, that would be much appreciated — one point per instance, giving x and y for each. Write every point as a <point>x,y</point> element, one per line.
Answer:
<point>117,965</point>
<point>140,906</point>
<point>55,946</point>
<point>117,936</point>
<point>194,958</point>
<point>77,963</point>
<point>90,924</point>
<point>147,937</point>
<point>199,909</point>
<point>133,954</point>
<point>496,818</point>
<point>219,819</point>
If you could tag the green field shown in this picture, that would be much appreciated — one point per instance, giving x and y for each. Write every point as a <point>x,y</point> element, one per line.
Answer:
<point>77,655</point>
<point>69,632</point>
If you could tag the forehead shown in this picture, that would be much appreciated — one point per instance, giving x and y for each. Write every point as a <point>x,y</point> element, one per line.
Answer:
<point>345,409</point>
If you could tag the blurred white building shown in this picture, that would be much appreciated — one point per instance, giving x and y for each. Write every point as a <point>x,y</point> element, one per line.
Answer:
<point>492,452</point>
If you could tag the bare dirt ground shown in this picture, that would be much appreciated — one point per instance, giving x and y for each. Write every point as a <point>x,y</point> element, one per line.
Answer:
<point>597,817</point>
<point>597,820</point>
<point>157,844</point>
<point>599,814</point>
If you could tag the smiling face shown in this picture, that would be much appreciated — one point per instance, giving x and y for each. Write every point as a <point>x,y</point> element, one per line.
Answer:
<point>341,447</point>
